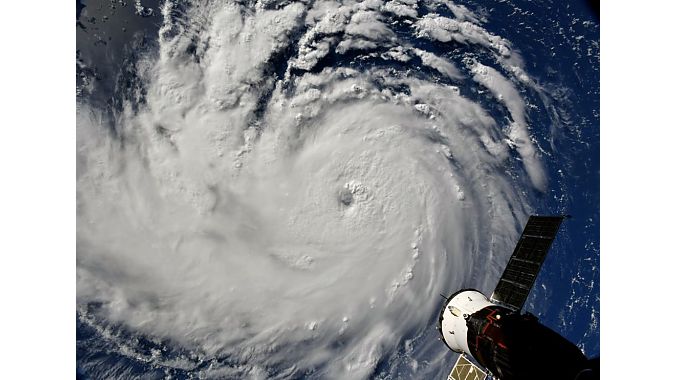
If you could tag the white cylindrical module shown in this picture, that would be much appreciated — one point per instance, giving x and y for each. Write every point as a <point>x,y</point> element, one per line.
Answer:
<point>452,319</point>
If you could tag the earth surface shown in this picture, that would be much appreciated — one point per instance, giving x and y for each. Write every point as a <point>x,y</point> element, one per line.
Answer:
<point>281,190</point>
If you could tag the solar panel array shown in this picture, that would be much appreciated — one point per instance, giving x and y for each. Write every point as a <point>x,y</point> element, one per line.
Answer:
<point>527,258</point>
<point>466,370</point>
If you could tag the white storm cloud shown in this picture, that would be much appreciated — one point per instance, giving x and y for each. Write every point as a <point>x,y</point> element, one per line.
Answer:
<point>310,235</point>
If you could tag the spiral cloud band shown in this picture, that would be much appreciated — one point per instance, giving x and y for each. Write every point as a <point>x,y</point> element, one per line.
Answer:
<point>290,186</point>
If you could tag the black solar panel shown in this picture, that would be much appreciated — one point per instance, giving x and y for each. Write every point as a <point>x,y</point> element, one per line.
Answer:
<point>524,265</point>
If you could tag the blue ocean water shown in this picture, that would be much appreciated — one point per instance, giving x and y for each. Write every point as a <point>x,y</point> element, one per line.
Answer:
<point>559,41</point>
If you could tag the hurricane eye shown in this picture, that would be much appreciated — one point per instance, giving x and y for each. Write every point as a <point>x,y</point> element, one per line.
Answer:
<point>345,197</point>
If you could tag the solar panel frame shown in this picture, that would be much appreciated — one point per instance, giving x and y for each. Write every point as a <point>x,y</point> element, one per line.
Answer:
<point>524,265</point>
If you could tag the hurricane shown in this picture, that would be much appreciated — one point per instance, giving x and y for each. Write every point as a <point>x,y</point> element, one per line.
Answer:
<point>284,188</point>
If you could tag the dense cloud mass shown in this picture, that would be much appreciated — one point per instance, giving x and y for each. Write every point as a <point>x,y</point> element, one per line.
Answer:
<point>294,183</point>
